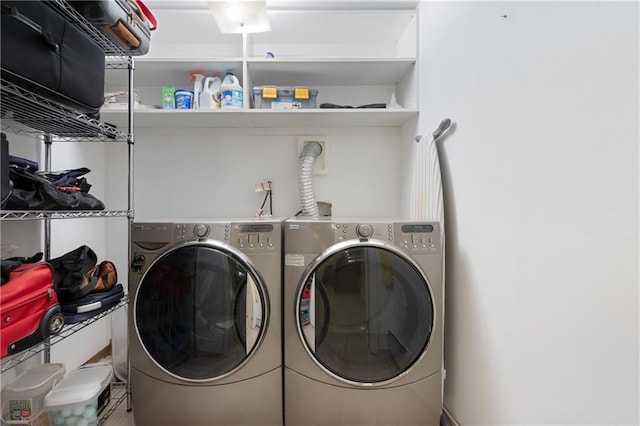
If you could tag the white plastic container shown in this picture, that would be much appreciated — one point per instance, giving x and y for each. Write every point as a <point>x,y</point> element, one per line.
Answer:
<point>198,79</point>
<point>211,94</point>
<point>81,397</point>
<point>23,398</point>
<point>231,92</point>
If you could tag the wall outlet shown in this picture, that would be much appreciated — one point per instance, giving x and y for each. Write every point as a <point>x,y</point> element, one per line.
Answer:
<point>321,161</point>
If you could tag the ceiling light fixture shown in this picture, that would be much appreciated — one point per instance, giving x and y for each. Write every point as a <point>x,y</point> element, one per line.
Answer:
<point>240,16</point>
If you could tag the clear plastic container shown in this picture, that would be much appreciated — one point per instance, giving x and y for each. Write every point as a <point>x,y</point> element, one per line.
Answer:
<point>81,397</point>
<point>23,398</point>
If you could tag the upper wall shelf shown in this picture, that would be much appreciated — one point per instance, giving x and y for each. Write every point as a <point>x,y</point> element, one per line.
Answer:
<point>262,118</point>
<point>353,57</point>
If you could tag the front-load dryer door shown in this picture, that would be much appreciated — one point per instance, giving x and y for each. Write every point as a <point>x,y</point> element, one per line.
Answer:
<point>365,312</point>
<point>201,311</point>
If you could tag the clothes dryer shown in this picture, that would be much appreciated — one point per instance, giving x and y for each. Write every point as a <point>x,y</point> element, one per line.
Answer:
<point>363,322</point>
<point>205,323</point>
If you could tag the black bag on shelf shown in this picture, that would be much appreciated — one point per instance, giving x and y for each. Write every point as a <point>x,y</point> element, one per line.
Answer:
<point>78,273</point>
<point>34,192</point>
<point>43,52</point>
<point>91,304</point>
<point>4,168</point>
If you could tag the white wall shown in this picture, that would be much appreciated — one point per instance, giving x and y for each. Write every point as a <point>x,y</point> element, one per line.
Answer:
<point>541,201</point>
<point>214,176</point>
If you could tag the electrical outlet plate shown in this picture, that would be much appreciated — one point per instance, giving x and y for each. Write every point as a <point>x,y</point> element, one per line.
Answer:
<point>321,161</point>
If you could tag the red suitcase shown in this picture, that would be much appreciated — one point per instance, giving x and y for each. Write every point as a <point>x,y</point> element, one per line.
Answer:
<point>29,308</point>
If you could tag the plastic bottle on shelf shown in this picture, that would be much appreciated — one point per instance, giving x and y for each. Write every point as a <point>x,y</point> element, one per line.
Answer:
<point>393,103</point>
<point>210,98</point>
<point>231,92</point>
<point>197,77</point>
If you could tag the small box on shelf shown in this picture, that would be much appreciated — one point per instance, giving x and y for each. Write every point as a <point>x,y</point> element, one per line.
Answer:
<point>284,98</point>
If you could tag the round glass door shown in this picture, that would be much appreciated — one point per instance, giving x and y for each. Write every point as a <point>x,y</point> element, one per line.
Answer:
<point>365,312</point>
<point>201,311</point>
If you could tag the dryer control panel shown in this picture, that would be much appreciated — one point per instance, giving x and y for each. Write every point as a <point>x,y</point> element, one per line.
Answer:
<point>414,237</point>
<point>418,237</point>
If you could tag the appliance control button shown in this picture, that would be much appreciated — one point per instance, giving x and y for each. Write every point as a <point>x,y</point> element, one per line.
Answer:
<point>201,230</point>
<point>364,230</point>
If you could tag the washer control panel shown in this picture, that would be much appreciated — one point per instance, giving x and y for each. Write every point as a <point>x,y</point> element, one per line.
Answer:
<point>363,231</point>
<point>256,237</point>
<point>198,231</point>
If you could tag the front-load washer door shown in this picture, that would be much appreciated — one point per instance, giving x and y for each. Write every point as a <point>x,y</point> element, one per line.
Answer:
<point>201,311</point>
<point>365,312</point>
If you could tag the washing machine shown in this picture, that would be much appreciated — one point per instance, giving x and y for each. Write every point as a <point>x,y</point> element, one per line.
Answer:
<point>205,322</point>
<point>363,322</point>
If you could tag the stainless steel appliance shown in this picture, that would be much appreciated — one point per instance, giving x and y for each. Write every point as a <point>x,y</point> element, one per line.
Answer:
<point>205,322</point>
<point>363,322</point>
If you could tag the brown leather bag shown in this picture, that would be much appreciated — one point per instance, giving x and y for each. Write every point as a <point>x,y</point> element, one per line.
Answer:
<point>105,275</point>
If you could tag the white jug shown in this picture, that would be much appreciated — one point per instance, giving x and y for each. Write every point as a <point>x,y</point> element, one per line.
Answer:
<point>231,92</point>
<point>210,98</point>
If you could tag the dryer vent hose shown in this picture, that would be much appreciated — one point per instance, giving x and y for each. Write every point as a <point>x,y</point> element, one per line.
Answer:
<point>306,167</point>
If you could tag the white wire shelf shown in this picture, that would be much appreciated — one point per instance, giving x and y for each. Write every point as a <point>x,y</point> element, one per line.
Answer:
<point>25,112</point>
<point>118,395</point>
<point>66,214</point>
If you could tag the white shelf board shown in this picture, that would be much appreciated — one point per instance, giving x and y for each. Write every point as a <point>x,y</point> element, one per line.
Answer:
<point>329,72</point>
<point>259,118</point>
<point>331,118</point>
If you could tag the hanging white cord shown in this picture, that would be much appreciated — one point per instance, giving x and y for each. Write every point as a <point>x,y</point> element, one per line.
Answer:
<point>426,199</point>
<point>436,203</point>
<point>420,190</point>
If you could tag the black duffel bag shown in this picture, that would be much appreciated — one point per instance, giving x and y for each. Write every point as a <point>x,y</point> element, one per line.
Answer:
<point>33,192</point>
<point>78,273</point>
<point>43,52</point>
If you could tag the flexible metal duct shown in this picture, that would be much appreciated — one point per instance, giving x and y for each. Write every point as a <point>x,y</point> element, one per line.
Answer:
<point>306,166</point>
